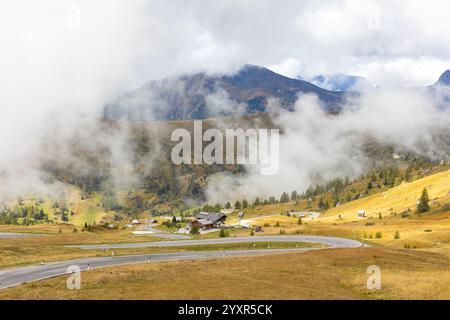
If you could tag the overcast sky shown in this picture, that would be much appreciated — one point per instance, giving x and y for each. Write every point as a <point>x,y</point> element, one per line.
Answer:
<point>389,42</point>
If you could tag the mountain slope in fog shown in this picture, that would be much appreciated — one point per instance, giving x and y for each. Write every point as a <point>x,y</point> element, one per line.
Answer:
<point>440,91</point>
<point>250,90</point>
<point>444,79</point>
<point>201,96</point>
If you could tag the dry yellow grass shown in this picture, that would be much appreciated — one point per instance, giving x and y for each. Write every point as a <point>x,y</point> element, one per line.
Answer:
<point>326,274</point>
<point>429,231</point>
<point>397,199</point>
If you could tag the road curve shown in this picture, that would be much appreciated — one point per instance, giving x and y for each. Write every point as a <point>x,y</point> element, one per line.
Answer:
<point>327,241</point>
<point>17,276</point>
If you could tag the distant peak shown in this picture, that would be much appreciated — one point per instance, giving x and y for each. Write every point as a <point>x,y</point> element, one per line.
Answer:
<point>445,78</point>
<point>341,82</point>
<point>252,68</point>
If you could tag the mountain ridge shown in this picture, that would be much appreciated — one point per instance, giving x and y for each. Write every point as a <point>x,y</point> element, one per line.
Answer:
<point>192,96</point>
<point>250,90</point>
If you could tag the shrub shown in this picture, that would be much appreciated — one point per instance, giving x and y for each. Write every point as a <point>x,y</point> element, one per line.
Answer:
<point>223,233</point>
<point>397,235</point>
<point>194,230</point>
<point>378,235</point>
<point>266,225</point>
<point>404,214</point>
<point>75,230</point>
<point>277,224</point>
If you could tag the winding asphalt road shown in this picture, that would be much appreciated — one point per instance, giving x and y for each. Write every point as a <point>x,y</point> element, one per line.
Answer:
<point>17,276</point>
<point>327,241</point>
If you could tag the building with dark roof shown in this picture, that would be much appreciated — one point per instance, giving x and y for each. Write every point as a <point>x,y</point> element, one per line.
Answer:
<point>207,220</point>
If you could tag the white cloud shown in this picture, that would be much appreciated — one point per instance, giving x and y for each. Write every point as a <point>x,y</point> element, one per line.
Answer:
<point>316,147</point>
<point>290,67</point>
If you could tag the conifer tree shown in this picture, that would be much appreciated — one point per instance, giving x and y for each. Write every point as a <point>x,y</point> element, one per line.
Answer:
<point>294,195</point>
<point>423,205</point>
<point>284,198</point>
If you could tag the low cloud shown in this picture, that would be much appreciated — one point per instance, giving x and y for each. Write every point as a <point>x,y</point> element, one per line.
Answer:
<point>316,147</point>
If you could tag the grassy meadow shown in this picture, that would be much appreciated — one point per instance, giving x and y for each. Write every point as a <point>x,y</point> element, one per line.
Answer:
<point>325,274</point>
<point>412,250</point>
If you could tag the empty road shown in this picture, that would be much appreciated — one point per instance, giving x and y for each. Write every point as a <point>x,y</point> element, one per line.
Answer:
<point>7,235</point>
<point>17,276</point>
<point>327,241</point>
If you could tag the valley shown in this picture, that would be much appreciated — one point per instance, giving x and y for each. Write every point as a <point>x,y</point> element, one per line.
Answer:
<point>224,155</point>
<point>114,203</point>
<point>394,241</point>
